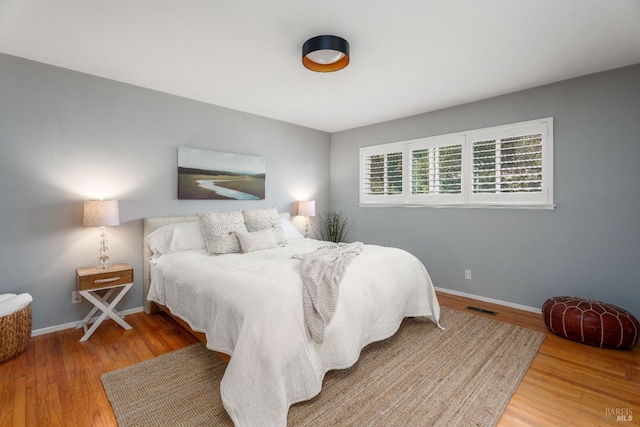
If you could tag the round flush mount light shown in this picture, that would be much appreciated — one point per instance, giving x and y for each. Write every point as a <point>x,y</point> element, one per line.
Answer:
<point>325,54</point>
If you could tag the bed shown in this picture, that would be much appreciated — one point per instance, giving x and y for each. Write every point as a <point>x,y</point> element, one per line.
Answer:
<point>249,307</point>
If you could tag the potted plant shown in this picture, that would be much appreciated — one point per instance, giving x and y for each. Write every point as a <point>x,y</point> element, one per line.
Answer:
<point>333,226</point>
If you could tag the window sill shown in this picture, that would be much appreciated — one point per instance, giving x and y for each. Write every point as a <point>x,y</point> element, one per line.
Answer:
<point>459,205</point>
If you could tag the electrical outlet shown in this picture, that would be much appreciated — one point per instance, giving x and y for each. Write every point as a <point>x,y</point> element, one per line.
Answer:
<point>76,298</point>
<point>467,274</point>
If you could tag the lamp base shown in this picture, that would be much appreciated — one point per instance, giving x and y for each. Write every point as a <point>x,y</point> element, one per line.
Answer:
<point>104,250</point>
<point>104,263</point>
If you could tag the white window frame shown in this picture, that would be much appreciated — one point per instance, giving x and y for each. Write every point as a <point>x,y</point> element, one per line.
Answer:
<point>434,142</point>
<point>383,149</point>
<point>524,200</point>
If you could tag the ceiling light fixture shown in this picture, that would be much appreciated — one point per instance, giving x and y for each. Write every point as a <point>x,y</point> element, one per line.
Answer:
<point>325,54</point>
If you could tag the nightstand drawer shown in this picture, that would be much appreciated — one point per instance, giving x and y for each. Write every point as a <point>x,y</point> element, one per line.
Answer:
<point>94,278</point>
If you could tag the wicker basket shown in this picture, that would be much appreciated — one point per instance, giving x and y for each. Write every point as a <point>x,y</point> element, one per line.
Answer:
<point>15,333</point>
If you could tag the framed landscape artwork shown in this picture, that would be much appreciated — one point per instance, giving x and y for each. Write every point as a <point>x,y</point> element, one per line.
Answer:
<point>206,174</point>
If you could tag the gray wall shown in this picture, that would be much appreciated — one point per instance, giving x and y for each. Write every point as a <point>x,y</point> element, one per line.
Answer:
<point>588,246</point>
<point>67,136</point>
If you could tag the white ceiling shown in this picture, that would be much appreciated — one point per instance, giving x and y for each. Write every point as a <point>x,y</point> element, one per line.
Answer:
<point>407,56</point>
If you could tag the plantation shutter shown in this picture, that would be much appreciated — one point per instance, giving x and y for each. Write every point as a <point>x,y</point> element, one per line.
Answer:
<point>512,164</point>
<point>501,166</point>
<point>381,172</point>
<point>436,170</point>
<point>508,165</point>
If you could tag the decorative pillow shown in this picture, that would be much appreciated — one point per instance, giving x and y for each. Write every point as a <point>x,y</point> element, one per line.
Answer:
<point>219,231</point>
<point>290,230</point>
<point>259,219</point>
<point>179,236</point>
<point>251,241</point>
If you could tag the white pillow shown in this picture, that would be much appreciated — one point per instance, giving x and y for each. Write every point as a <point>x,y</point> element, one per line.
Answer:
<point>179,236</point>
<point>219,231</point>
<point>260,219</point>
<point>251,241</point>
<point>290,230</point>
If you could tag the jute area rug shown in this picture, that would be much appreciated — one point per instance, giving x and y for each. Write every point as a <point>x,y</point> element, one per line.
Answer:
<point>421,376</point>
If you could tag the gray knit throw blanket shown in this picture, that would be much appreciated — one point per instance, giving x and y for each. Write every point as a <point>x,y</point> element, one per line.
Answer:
<point>321,273</point>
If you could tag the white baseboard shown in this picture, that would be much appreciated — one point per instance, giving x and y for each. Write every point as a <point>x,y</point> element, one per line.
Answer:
<point>64,326</point>
<point>70,325</point>
<point>491,300</point>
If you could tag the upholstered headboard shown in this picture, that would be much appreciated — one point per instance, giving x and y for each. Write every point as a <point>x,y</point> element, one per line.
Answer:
<point>150,225</point>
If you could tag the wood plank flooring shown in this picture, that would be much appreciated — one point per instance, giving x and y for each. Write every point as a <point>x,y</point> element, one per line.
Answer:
<point>56,382</point>
<point>567,384</point>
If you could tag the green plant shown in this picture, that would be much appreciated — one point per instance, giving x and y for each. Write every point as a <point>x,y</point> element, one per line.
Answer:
<point>333,226</point>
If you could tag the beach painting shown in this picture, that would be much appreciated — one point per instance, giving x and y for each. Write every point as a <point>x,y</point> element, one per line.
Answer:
<point>206,174</point>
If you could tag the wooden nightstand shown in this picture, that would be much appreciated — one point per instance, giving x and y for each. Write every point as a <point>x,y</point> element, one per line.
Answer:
<point>90,280</point>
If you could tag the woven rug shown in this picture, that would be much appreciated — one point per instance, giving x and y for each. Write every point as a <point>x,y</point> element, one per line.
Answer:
<point>421,376</point>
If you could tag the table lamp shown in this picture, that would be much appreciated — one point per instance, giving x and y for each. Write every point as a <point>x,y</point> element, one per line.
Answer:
<point>101,213</point>
<point>307,208</point>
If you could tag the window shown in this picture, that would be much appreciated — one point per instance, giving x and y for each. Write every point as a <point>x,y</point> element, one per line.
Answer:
<point>508,165</point>
<point>436,169</point>
<point>383,172</point>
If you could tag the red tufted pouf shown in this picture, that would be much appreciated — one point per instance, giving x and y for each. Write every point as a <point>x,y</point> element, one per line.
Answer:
<point>591,322</point>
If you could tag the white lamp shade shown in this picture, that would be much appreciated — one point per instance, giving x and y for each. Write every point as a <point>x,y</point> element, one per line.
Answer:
<point>98,213</point>
<point>307,208</point>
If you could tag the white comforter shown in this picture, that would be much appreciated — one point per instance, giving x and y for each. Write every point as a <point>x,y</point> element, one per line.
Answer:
<point>250,307</point>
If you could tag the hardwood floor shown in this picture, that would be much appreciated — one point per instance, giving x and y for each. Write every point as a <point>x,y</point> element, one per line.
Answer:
<point>567,384</point>
<point>57,380</point>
